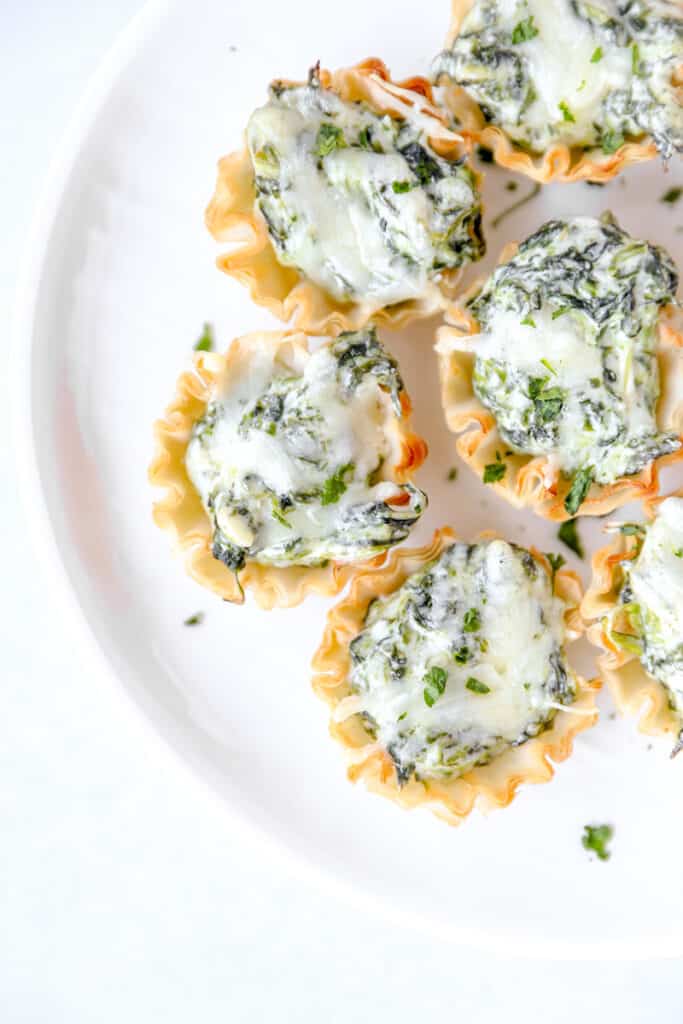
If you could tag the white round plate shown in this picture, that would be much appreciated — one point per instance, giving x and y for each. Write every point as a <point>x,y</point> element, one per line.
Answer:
<point>121,278</point>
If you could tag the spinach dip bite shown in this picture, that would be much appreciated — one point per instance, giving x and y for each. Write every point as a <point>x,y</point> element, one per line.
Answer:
<point>636,604</point>
<point>564,370</point>
<point>352,200</point>
<point>447,673</point>
<point>566,89</point>
<point>287,464</point>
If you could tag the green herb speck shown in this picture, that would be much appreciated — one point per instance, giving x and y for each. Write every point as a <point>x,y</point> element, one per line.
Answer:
<point>595,838</point>
<point>611,141</point>
<point>476,686</point>
<point>556,563</point>
<point>524,31</point>
<point>472,620</point>
<point>581,485</point>
<point>194,620</point>
<point>204,342</point>
<point>566,112</point>
<point>569,535</point>
<point>335,486</point>
<point>673,195</point>
<point>435,684</point>
<point>597,55</point>
<point>329,137</point>
<point>494,472</point>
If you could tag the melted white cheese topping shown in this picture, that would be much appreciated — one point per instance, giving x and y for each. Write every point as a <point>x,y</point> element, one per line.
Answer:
<point>485,616</point>
<point>656,583</point>
<point>575,379</point>
<point>583,78</point>
<point>560,66</point>
<point>356,219</point>
<point>318,452</point>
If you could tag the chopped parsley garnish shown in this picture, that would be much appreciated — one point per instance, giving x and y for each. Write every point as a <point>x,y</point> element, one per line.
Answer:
<point>204,342</point>
<point>462,655</point>
<point>560,312</point>
<point>277,515</point>
<point>194,620</point>
<point>401,186</point>
<point>635,59</point>
<point>494,472</point>
<point>566,112</point>
<point>579,489</point>
<point>549,366</point>
<point>673,195</point>
<point>335,486</point>
<point>472,620</point>
<point>528,321</point>
<point>556,563</point>
<point>568,533</point>
<point>611,141</point>
<point>452,474</point>
<point>627,641</point>
<point>678,552</point>
<point>597,55</point>
<point>435,684</point>
<point>547,401</point>
<point>330,137</point>
<point>631,529</point>
<point>476,686</point>
<point>524,31</point>
<point>595,838</point>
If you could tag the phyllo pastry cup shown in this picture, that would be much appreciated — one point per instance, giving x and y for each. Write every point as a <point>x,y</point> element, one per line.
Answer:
<point>568,399</point>
<point>285,464</point>
<point>564,91</point>
<point>634,608</point>
<point>437,698</point>
<point>352,199</point>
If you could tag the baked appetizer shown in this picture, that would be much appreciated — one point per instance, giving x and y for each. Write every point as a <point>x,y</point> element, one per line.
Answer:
<point>635,604</point>
<point>566,367</point>
<point>565,89</point>
<point>447,674</point>
<point>284,466</point>
<point>351,200</point>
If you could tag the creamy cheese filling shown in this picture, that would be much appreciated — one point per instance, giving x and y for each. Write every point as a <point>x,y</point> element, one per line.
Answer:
<point>464,661</point>
<point>566,356</point>
<point>292,462</point>
<point>358,203</point>
<point>568,71</point>
<point>652,597</point>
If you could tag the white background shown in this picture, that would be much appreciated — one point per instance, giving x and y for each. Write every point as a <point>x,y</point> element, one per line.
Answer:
<point>124,893</point>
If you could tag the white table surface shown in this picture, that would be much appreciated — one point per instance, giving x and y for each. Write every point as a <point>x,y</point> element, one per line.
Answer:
<point>125,895</point>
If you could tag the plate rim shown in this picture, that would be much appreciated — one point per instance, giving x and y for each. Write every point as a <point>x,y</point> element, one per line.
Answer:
<point>195,766</point>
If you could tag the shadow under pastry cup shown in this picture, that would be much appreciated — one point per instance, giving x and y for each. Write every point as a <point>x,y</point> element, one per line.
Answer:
<point>233,216</point>
<point>183,515</point>
<point>534,481</point>
<point>559,162</point>
<point>486,785</point>
<point>610,627</point>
